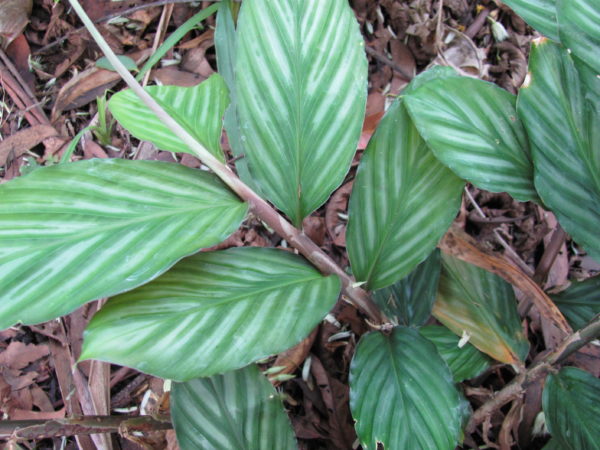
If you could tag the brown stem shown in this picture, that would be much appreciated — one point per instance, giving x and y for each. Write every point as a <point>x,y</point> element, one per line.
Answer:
<point>538,370</point>
<point>260,207</point>
<point>41,429</point>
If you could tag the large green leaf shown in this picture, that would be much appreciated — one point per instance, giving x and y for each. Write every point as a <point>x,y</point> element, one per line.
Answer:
<point>562,124</point>
<point>76,232</point>
<point>409,301</point>
<point>580,302</point>
<point>579,29</point>
<point>571,402</point>
<point>482,305</point>
<point>402,202</point>
<point>213,312</point>
<point>465,361</point>
<point>540,14</point>
<point>237,410</point>
<point>198,109</point>
<point>302,87</point>
<point>402,393</point>
<point>473,128</point>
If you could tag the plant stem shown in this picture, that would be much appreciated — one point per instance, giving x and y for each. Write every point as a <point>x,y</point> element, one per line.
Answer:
<point>42,429</point>
<point>358,297</point>
<point>539,369</point>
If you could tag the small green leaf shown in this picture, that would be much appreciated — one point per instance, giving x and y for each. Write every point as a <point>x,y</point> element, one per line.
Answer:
<point>213,312</point>
<point>301,84</point>
<point>76,232</point>
<point>409,301</point>
<point>104,63</point>
<point>482,304</point>
<point>578,25</point>
<point>237,410</point>
<point>571,402</point>
<point>402,202</point>
<point>465,362</point>
<point>580,302</point>
<point>562,118</point>
<point>473,128</point>
<point>199,109</point>
<point>402,393</point>
<point>540,14</point>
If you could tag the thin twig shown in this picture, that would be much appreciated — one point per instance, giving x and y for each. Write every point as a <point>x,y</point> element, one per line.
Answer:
<point>550,253</point>
<point>517,387</point>
<point>258,206</point>
<point>42,429</point>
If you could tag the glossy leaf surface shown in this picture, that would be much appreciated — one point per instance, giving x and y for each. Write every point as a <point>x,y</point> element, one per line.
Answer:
<point>483,305</point>
<point>465,362</point>
<point>540,14</point>
<point>198,109</point>
<point>409,301</point>
<point>402,393</point>
<point>402,202</point>
<point>580,302</point>
<point>73,233</point>
<point>237,410</point>
<point>579,30</point>
<point>213,312</point>
<point>301,77</point>
<point>571,402</point>
<point>562,123</point>
<point>473,128</point>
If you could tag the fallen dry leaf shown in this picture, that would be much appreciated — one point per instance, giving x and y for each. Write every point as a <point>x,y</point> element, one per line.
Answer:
<point>18,355</point>
<point>338,204</point>
<point>14,146</point>
<point>14,15</point>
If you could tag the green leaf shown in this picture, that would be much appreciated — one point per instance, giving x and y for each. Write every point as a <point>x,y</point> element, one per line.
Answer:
<point>434,73</point>
<point>199,109</point>
<point>302,87</point>
<point>225,46</point>
<point>477,302</point>
<point>402,202</point>
<point>409,301</point>
<point>553,444</point>
<point>472,127</point>
<point>579,31</point>
<point>465,362</point>
<point>213,312</point>
<point>237,410</point>
<point>77,232</point>
<point>571,402</point>
<point>540,14</point>
<point>580,302</point>
<point>562,124</point>
<point>402,393</point>
<point>104,63</point>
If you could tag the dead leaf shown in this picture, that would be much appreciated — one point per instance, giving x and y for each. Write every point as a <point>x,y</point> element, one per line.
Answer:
<point>293,358</point>
<point>314,228</point>
<point>338,204</point>
<point>460,245</point>
<point>172,76</point>
<point>14,15</point>
<point>18,355</point>
<point>98,9</point>
<point>14,146</point>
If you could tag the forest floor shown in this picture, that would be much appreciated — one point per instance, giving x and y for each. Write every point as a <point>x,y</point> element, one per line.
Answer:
<point>49,85</point>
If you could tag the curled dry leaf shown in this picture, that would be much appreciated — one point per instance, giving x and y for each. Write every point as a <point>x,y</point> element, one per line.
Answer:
<point>17,144</point>
<point>460,245</point>
<point>14,15</point>
<point>338,204</point>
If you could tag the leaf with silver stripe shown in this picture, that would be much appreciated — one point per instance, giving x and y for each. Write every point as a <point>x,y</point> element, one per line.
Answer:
<point>402,393</point>
<point>579,28</point>
<point>199,109</point>
<point>402,202</point>
<point>77,232</point>
<point>473,128</point>
<point>213,312</point>
<point>562,117</point>
<point>237,410</point>
<point>540,14</point>
<point>301,78</point>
